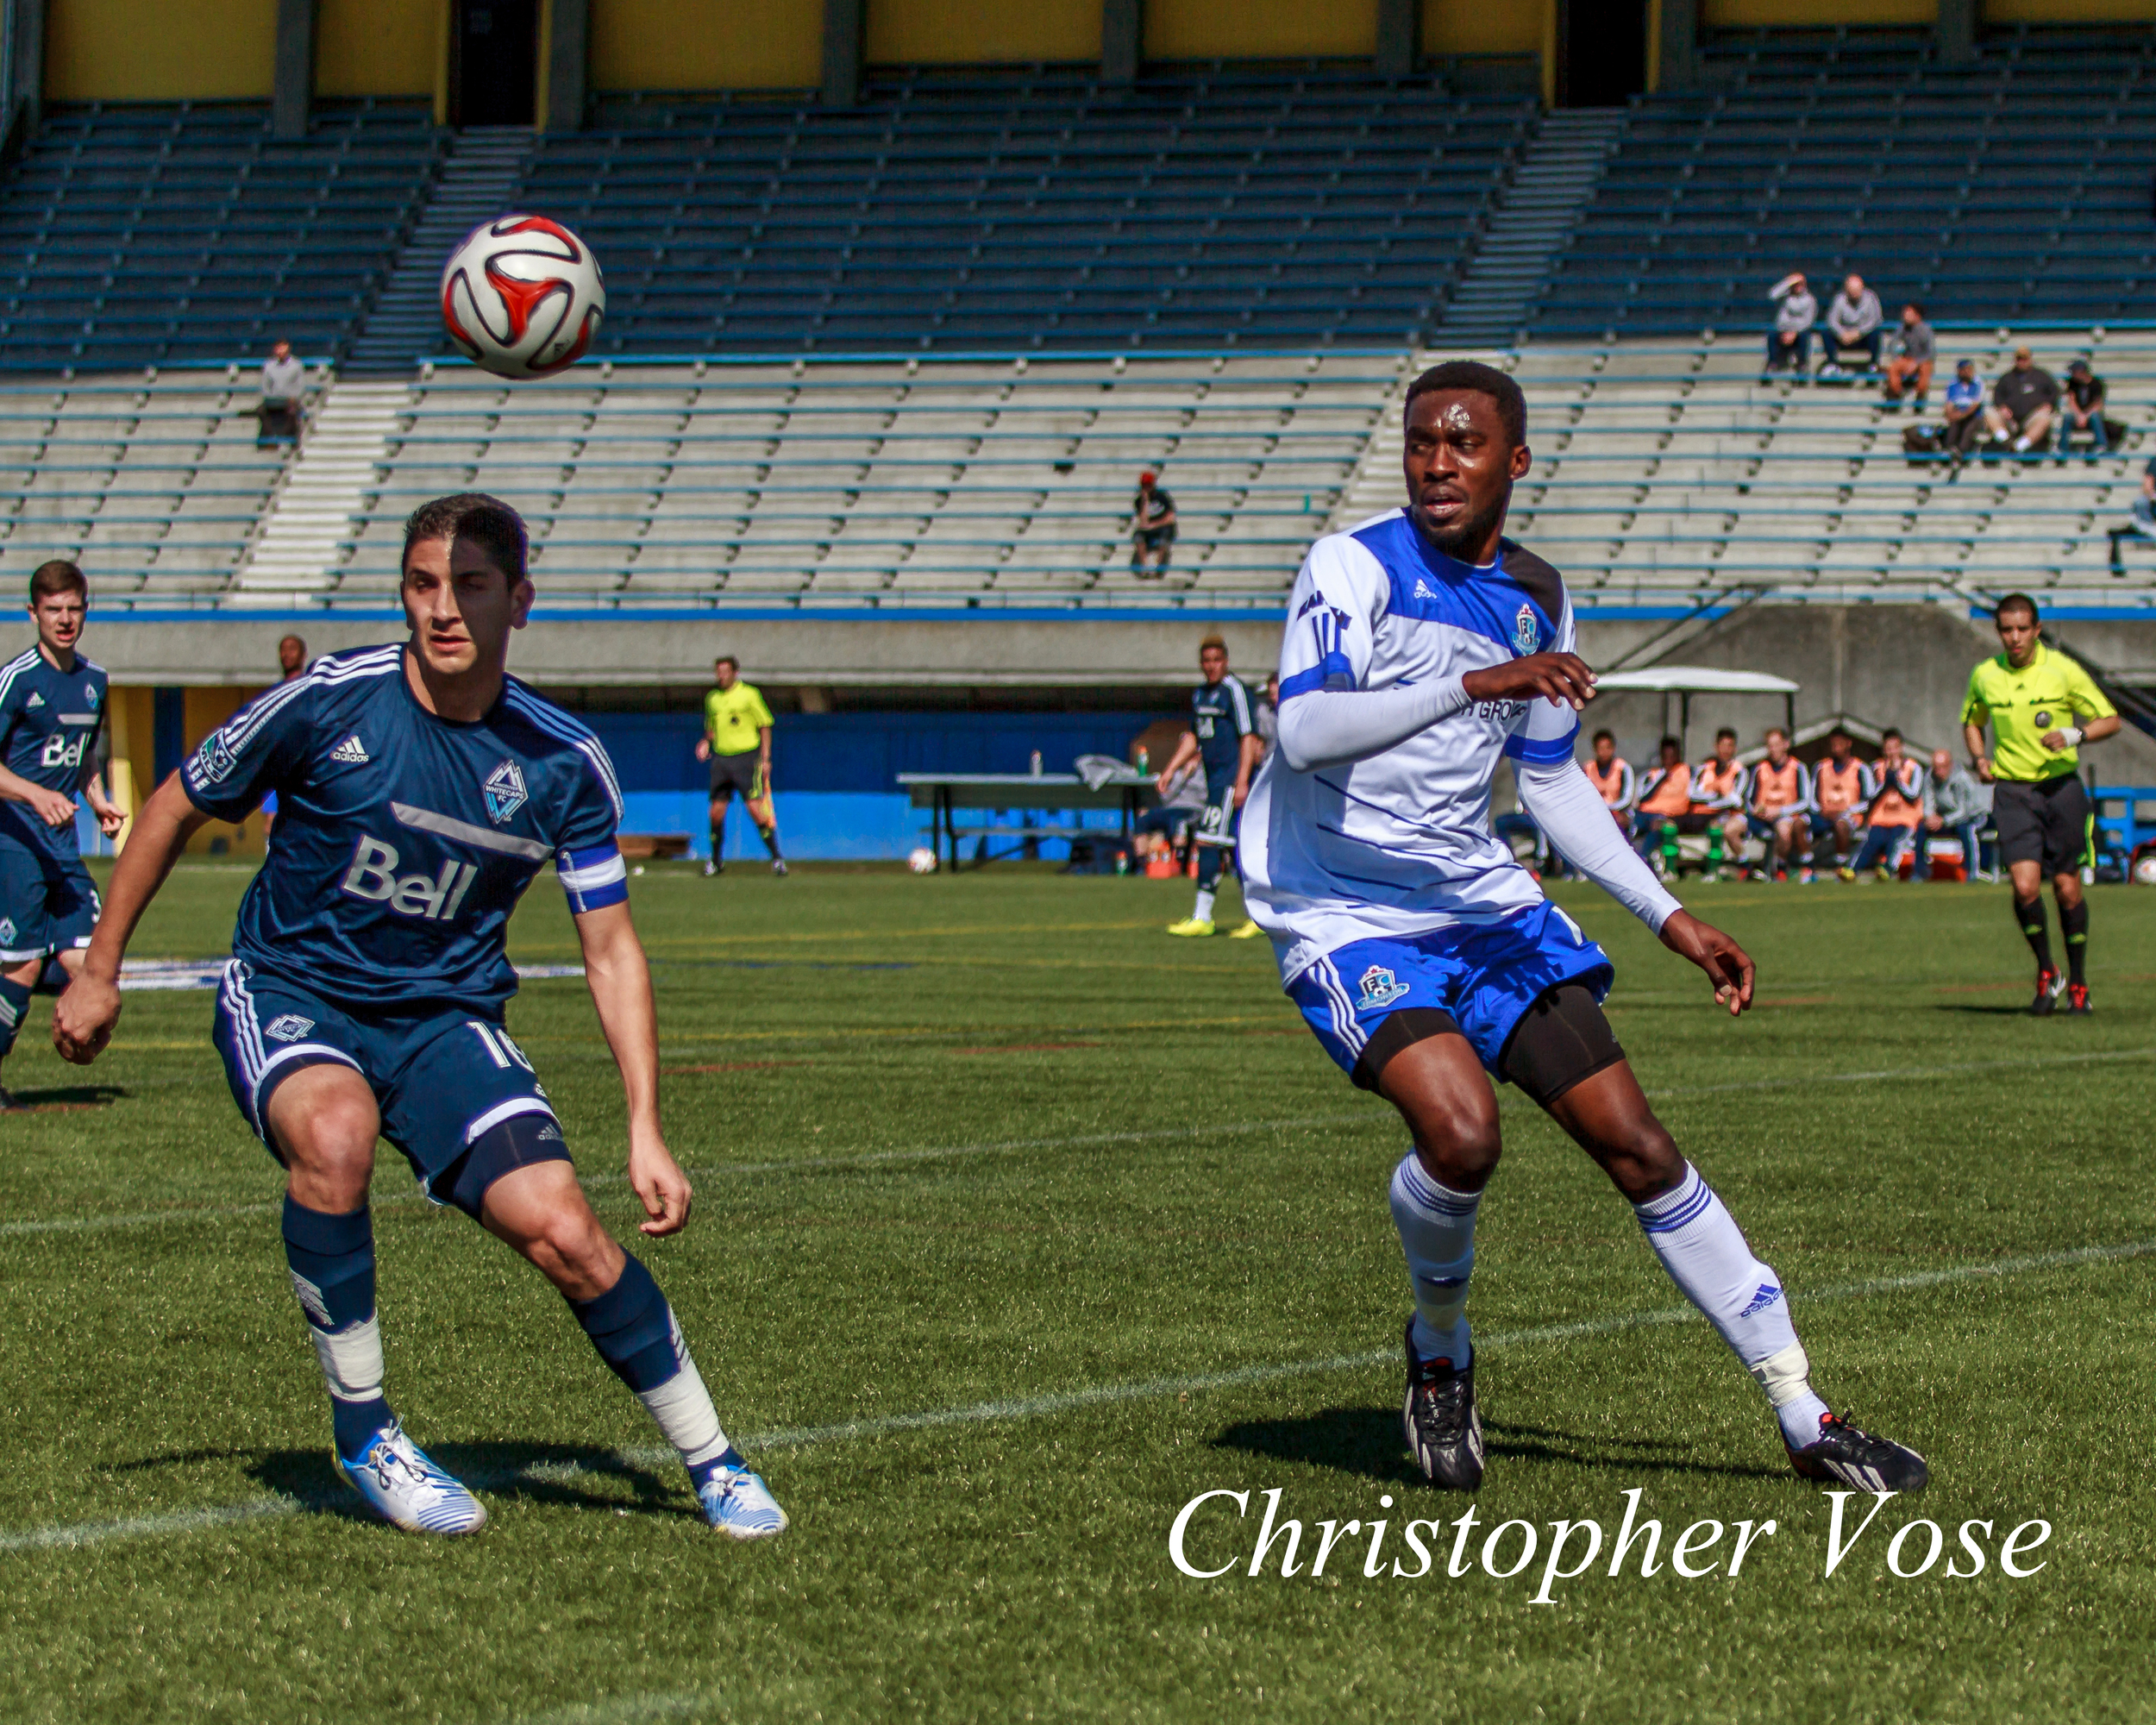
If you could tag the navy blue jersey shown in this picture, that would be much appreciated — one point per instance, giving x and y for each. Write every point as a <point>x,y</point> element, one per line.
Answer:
<point>1221,715</point>
<point>402,840</point>
<point>48,732</point>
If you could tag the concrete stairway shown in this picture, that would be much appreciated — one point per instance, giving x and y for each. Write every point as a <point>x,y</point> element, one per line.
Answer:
<point>322,494</point>
<point>478,176</point>
<point>1535,215</point>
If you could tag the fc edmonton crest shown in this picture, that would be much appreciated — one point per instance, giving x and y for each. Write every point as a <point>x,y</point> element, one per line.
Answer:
<point>1523,628</point>
<point>1380,988</point>
<point>506,793</point>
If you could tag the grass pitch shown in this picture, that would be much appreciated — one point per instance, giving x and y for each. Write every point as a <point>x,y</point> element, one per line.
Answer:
<point>1018,1227</point>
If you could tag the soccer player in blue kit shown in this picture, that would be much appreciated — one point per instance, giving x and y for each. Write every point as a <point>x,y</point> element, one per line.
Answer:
<point>1223,735</point>
<point>1422,647</point>
<point>51,722</point>
<point>420,791</point>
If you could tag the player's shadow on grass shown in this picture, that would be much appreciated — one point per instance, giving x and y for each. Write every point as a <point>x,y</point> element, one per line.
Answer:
<point>1986,1012</point>
<point>573,1475</point>
<point>1368,1441</point>
<point>66,1096</point>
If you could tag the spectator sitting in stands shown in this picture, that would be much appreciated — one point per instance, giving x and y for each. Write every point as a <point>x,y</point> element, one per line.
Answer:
<point>284,384</point>
<point>1957,801</point>
<point>1718,804</point>
<point>1665,801</point>
<point>1778,807</point>
<point>1837,793</point>
<point>1852,327</point>
<point>2143,525</point>
<point>1963,424</point>
<point>2023,403</point>
<point>1916,351</point>
<point>2082,411</point>
<point>1152,527</point>
<point>1894,789</point>
<point>1790,342</point>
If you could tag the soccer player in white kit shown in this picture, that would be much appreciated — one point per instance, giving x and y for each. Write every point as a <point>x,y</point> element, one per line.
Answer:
<point>1422,646</point>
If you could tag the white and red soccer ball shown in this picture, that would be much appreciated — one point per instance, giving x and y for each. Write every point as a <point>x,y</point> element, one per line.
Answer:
<point>522,297</point>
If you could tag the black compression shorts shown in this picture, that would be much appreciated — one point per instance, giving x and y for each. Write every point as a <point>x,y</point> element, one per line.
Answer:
<point>2046,822</point>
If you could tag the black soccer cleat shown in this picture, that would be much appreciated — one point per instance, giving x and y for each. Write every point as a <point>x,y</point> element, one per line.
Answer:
<point>2050,985</point>
<point>1443,1431</point>
<point>1849,1457</point>
<point>2077,1000</point>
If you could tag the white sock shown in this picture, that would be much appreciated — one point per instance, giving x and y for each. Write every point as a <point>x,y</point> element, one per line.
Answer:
<point>681,1407</point>
<point>1204,911</point>
<point>2021,443</point>
<point>1437,1232</point>
<point>1701,1245</point>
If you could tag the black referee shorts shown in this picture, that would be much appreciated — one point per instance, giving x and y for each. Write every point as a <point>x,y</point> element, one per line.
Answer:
<point>731,772</point>
<point>2047,822</point>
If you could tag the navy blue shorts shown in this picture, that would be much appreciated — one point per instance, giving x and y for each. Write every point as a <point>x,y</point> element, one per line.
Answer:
<point>47,903</point>
<point>1221,820</point>
<point>1485,977</point>
<point>441,1078</point>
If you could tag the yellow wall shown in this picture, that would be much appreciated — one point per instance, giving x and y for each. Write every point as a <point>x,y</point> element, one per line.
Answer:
<point>206,710</point>
<point>1480,27</point>
<point>376,48</point>
<point>708,44</point>
<point>2069,11</point>
<point>159,50</point>
<point>1750,13</point>
<point>1258,30</point>
<point>942,32</point>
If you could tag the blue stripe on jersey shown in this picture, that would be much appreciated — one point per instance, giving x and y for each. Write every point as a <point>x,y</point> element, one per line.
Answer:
<point>1428,587</point>
<point>593,878</point>
<point>1540,751</point>
<point>1319,675</point>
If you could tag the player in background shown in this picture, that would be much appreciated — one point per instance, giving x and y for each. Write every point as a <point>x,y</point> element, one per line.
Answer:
<point>52,738</point>
<point>2042,707</point>
<point>737,726</point>
<point>292,662</point>
<point>1778,807</point>
<point>1718,804</point>
<point>1423,648</point>
<point>424,789</point>
<point>1614,780</point>
<point>1666,798</point>
<point>1838,785</point>
<point>1894,800</point>
<point>1222,737</point>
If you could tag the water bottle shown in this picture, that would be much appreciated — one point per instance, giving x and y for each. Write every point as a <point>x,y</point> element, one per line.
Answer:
<point>1036,763</point>
<point>1144,771</point>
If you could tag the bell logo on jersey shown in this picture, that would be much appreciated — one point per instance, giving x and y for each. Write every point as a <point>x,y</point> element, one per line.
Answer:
<point>374,877</point>
<point>504,789</point>
<point>1523,628</point>
<point>59,751</point>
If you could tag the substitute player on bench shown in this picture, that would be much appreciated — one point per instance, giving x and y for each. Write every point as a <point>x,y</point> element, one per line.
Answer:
<point>2042,707</point>
<point>52,725</point>
<point>1422,647</point>
<point>421,791</point>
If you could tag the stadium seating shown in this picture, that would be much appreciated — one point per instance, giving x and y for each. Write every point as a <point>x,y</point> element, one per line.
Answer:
<point>161,234</point>
<point>920,482</point>
<point>985,212</point>
<point>2012,190</point>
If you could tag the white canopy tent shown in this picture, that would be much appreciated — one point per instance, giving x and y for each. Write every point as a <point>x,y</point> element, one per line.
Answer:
<point>1682,682</point>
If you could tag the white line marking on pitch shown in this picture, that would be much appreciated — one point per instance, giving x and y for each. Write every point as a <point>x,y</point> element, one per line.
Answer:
<point>1084,1140</point>
<point>1033,1406</point>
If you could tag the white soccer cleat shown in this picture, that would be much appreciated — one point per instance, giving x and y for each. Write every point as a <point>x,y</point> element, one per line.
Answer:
<point>396,1481</point>
<point>740,1505</point>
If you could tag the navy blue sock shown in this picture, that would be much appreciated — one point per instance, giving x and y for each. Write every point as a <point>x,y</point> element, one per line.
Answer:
<point>332,1260</point>
<point>632,1328</point>
<point>15,1000</point>
<point>53,979</point>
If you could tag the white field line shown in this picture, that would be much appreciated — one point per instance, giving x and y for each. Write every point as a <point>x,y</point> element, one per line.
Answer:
<point>1087,1140</point>
<point>1034,1407</point>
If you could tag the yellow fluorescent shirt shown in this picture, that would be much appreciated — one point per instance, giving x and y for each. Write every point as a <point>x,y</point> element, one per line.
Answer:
<point>733,717</point>
<point>2048,694</point>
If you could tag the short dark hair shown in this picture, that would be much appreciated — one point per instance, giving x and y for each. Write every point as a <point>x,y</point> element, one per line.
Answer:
<point>1917,306</point>
<point>1728,731</point>
<point>2017,602</point>
<point>1891,732</point>
<point>58,576</point>
<point>1670,742</point>
<point>725,659</point>
<point>486,521</point>
<point>1477,378</point>
<point>1213,643</point>
<point>1605,737</point>
<point>1841,732</point>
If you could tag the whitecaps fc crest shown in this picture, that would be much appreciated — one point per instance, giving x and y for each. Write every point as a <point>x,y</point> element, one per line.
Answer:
<point>506,793</point>
<point>1523,628</point>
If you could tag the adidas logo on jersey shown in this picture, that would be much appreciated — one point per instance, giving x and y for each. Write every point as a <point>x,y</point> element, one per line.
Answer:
<point>36,699</point>
<point>350,751</point>
<point>1422,589</point>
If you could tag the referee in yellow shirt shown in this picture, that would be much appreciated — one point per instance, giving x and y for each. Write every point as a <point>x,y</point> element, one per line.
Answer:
<point>736,741</point>
<point>2042,707</point>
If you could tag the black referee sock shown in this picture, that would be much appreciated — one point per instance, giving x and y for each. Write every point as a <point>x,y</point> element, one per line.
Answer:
<point>2028,915</point>
<point>2074,925</point>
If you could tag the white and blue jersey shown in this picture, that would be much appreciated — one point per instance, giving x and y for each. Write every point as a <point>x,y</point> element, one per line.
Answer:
<point>49,721</point>
<point>1400,844</point>
<point>405,840</point>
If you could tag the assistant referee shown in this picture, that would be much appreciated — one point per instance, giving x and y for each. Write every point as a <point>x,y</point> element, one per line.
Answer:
<point>2042,707</point>
<point>736,741</point>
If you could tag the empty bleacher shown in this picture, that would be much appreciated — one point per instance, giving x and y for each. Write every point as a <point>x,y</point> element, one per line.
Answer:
<point>1042,210</point>
<point>169,234</point>
<point>2012,190</point>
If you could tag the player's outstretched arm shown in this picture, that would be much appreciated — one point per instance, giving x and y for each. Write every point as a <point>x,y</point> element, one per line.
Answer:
<point>83,1021</point>
<point>620,981</point>
<point>1729,967</point>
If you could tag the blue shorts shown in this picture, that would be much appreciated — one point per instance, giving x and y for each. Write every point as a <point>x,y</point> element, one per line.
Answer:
<point>442,1077</point>
<point>47,903</point>
<point>1220,821</point>
<point>1486,978</point>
